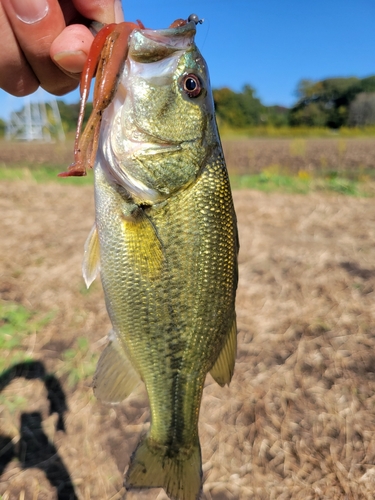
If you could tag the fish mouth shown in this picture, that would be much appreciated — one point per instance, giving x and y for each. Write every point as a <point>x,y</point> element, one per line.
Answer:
<point>154,45</point>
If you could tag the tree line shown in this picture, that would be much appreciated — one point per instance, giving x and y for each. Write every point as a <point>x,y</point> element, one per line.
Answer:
<point>331,103</point>
<point>234,109</point>
<point>335,102</point>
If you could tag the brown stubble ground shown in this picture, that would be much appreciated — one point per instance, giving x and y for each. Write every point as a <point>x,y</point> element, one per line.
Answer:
<point>243,155</point>
<point>315,156</point>
<point>298,419</point>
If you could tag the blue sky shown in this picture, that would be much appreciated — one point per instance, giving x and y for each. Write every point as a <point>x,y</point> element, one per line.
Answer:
<point>269,44</point>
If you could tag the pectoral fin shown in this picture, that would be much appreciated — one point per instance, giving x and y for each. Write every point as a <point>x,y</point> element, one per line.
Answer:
<point>144,247</point>
<point>223,368</point>
<point>115,378</point>
<point>91,257</point>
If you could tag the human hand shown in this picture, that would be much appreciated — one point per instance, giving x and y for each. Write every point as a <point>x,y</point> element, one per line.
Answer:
<point>46,42</point>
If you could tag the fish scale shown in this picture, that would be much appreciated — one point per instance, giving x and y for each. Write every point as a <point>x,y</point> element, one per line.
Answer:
<point>167,251</point>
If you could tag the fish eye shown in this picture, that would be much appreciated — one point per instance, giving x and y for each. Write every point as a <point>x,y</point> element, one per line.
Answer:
<point>192,85</point>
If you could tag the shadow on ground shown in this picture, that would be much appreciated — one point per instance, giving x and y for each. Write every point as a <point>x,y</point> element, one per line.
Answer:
<point>34,450</point>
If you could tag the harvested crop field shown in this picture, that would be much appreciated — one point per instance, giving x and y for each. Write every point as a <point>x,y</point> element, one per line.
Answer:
<point>298,420</point>
<point>354,157</point>
<point>244,156</point>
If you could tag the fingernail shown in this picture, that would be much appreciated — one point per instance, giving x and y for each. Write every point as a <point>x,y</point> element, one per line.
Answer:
<point>71,61</point>
<point>30,11</point>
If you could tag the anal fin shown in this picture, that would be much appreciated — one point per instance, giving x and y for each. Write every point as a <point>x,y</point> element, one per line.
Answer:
<point>115,377</point>
<point>223,368</point>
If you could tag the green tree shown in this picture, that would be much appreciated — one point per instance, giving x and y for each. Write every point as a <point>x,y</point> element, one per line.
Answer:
<point>327,102</point>
<point>368,84</point>
<point>313,114</point>
<point>3,127</point>
<point>69,114</point>
<point>276,116</point>
<point>240,109</point>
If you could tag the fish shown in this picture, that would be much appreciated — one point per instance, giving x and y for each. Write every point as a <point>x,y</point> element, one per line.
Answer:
<point>165,244</point>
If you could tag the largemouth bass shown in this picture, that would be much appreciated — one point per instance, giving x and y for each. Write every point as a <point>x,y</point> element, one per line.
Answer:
<point>165,240</point>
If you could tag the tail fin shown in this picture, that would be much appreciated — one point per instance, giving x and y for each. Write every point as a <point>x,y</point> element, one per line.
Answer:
<point>180,475</point>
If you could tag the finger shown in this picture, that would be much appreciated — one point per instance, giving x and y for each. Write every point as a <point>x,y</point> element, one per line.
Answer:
<point>69,50</point>
<point>36,23</point>
<point>103,11</point>
<point>16,76</point>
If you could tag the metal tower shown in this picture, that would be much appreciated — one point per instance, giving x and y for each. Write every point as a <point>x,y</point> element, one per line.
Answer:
<point>38,120</point>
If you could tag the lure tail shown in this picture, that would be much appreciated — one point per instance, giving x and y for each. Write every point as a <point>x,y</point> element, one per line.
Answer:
<point>180,475</point>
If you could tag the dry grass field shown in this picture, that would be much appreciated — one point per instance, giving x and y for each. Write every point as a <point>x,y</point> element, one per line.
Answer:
<point>353,157</point>
<point>348,155</point>
<point>298,420</point>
